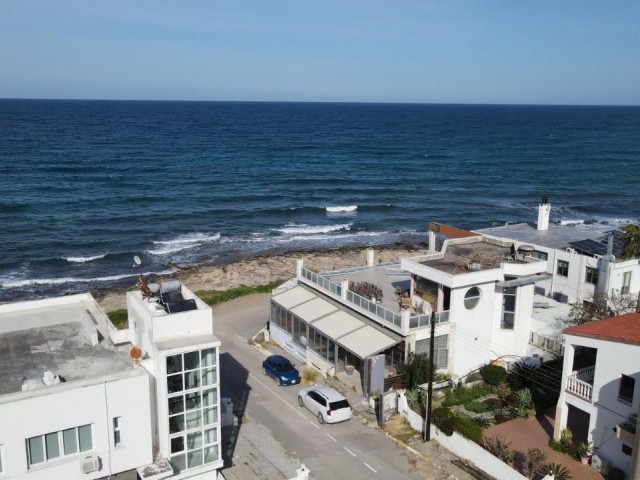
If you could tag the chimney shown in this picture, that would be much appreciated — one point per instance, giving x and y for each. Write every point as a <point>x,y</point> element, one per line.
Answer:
<point>543,214</point>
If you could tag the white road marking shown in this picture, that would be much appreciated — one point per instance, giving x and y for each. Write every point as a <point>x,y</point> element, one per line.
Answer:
<point>331,438</point>
<point>352,454</point>
<point>278,396</point>
<point>415,452</point>
<point>372,469</point>
<point>314,424</point>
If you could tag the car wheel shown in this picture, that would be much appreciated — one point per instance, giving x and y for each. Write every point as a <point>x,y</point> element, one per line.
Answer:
<point>264,370</point>
<point>300,402</point>
<point>280,382</point>
<point>320,419</point>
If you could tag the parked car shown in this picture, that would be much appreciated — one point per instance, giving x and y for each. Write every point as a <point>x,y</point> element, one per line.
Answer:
<point>281,369</point>
<point>325,403</point>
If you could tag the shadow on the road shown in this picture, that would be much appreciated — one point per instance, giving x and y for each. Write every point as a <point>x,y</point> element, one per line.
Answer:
<point>234,386</point>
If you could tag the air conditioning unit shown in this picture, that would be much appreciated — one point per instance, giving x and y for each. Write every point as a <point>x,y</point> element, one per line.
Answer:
<point>600,464</point>
<point>571,250</point>
<point>90,464</point>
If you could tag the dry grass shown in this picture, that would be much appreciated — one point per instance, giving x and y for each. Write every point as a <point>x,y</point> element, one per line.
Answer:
<point>398,427</point>
<point>309,376</point>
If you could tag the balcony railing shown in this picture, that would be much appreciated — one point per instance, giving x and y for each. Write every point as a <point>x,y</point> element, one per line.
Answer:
<point>580,383</point>
<point>546,343</point>
<point>321,281</point>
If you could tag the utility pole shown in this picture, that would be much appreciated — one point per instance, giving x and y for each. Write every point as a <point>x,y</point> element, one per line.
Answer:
<point>427,430</point>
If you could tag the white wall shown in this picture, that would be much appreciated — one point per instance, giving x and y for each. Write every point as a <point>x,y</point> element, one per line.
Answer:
<point>68,405</point>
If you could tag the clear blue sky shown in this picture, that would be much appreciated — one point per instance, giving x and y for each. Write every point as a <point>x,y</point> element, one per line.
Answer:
<point>458,51</point>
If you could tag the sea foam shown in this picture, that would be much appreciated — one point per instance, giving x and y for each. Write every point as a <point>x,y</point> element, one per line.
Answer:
<point>84,259</point>
<point>350,208</point>
<point>311,229</point>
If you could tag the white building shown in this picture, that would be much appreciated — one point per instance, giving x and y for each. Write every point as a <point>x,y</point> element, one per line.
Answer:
<point>77,400</point>
<point>600,395</point>
<point>582,262</point>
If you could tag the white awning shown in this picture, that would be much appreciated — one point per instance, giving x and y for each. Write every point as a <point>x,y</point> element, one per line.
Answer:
<point>292,297</point>
<point>316,308</point>
<point>338,324</point>
<point>367,341</point>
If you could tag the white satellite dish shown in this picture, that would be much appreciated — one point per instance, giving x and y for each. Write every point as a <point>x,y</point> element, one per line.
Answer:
<point>137,261</point>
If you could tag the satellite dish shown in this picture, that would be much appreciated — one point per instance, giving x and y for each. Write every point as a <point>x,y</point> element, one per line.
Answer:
<point>135,353</point>
<point>136,260</point>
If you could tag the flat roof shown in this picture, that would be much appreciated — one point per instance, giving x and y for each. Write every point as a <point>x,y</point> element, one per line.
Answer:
<point>557,236</point>
<point>61,338</point>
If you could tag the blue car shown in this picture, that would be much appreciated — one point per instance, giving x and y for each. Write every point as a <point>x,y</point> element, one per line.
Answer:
<point>281,370</point>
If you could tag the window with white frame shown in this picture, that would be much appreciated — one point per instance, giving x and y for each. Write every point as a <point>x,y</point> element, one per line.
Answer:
<point>591,275</point>
<point>1,458</point>
<point>508,307</point>
<point>562,268</point>
<point>626,282</point>
<point>50,446</point>
<point>192,384</point>
<point>625,391</point>
<point>117,431</point>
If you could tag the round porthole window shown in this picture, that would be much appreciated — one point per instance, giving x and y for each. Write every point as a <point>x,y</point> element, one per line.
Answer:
<point>472,298</point>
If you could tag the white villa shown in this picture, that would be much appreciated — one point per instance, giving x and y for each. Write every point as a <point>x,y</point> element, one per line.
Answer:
<point>82,400</point>
<point>600,395</point>
<point>497,294</point>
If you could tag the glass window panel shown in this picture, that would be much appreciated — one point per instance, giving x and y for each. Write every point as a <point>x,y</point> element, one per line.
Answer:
<point>116,438</point>
<point>194,440</point>
<point>84,437</point>
<point>192,400</point>
<point>177,444</point>
<point>176,423</point>
<point>210,415</point>
<point>194,459</point>
<point>191,360</point>
<point>179,461</point>
<point>509,303</point>
<point>210,436</point>
<point>192,379</point>
<point>211,454</point>
<point>193,419</point>
<point>52,443</point>
<point>209,376</point>
<point>174,363</point>
<point>70,441</point>
<point>331,352</point>
<point>210,397</point>
<point>208,357</point>
<point>36,450</point>
<point>174,383</point>
<point>176,404</point>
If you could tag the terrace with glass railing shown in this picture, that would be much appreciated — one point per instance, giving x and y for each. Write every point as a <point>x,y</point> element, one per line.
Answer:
<point>390,313</point>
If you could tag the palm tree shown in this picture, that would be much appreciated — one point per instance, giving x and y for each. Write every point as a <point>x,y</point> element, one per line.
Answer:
<point>631,241</point>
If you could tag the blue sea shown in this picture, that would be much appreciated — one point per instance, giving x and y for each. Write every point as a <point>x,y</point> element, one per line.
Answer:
<point>86,185</point>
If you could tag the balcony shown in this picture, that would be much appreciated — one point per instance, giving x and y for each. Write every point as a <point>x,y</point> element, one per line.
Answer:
<point>580,383</point>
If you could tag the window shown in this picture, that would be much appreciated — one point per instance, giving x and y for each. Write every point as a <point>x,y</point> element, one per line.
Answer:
<point>563,268</point>
<point>625,394</point>
<point>1,467</point>
<point>50,446</point>
<point>508,307</point>
<point>539,255</point>
<point>472,298</point>
<point>193,408</point>
<point>299,332</point>
<point>591,275</point>
<point>117,432</point>
<point>626,282</point>
<point>626,449</point>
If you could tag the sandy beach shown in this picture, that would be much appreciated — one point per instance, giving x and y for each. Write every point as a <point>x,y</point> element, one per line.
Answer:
<point>265,269</point>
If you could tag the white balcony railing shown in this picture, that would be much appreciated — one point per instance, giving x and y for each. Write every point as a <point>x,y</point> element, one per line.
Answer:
<point>580,383</point>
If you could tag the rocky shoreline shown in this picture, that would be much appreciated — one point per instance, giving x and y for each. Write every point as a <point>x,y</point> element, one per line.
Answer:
<point>265,269</point>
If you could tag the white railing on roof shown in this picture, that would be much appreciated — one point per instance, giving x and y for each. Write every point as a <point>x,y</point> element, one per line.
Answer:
<point>547,343</point>
<point>419,321</point>
<point>322,281</point>
<point>580,382</point>
<point>372,307</point>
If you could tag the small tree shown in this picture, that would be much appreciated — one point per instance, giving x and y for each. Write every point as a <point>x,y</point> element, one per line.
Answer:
<point>493,374</point>
<point>601,306</point>
<point>534,463</point>
<point>416,371</point>
<point>631,241</point>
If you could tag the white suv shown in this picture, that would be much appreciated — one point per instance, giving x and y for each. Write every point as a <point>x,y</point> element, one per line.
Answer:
<point>325,403</point>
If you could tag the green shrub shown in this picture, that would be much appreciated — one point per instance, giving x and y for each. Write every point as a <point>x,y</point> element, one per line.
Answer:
<point>444,419</point>
<point>417,370</point>
<point>559,472</point>
<point>119,318</point>
<point>478,407</point>
<point>469,429</point>
<point>554,445</point>
<point>461,395</point>
<point>493,374</point>
<point>615,474</point>
<point>213,297</point>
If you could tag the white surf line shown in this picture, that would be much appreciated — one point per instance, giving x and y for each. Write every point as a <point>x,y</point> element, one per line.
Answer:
<point>331,438</point>
<point>352,454</point>
<point>371,468</point>
<point>277,396</point>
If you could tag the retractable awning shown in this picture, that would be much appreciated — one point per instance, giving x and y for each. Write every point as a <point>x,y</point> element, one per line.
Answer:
<point>292,297</point>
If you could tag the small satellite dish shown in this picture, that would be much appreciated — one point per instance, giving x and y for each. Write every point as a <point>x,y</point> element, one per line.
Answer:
<point>136,260</point>
<point>135,353</point>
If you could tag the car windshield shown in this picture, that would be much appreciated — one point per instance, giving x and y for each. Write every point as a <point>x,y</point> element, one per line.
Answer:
<point>340,404</point>
<point>284,367</point>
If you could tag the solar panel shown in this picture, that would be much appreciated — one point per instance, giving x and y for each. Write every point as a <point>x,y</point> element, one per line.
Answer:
<point>599,246</point>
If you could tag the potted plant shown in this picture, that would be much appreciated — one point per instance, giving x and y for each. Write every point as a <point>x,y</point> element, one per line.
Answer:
<point>509,457</point>
<point>585,450</point>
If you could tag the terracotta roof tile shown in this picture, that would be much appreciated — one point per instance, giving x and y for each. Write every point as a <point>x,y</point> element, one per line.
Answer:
<point>625,329</point>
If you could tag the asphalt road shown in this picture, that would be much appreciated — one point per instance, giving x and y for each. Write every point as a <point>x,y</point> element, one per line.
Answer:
<point>349,450</point>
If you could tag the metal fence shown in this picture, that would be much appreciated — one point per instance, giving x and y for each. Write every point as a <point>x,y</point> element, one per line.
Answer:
<point>546,343</point>
<point>322,282</point>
